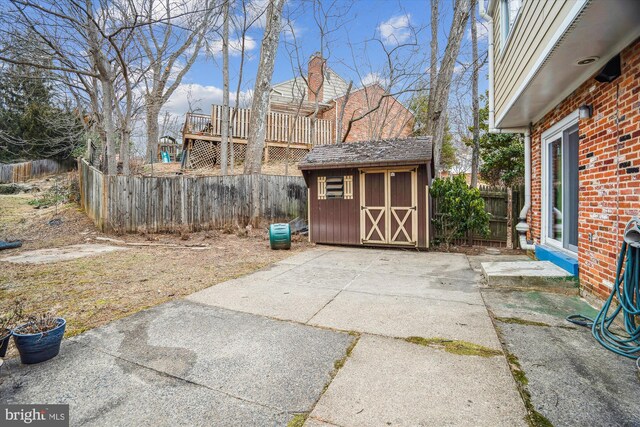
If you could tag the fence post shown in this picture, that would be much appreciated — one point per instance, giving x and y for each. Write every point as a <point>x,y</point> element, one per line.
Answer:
<point>80,175</point>
<point>105,201</point>
<point>509,218</point>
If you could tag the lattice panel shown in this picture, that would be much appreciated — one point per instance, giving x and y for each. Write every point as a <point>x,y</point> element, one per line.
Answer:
<point>203,154</point>
<point>279,154</point>
<point>206,154</point>
<point>239,153</point>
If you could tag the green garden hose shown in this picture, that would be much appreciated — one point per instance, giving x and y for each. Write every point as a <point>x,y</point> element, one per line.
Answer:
<point>626,294</point>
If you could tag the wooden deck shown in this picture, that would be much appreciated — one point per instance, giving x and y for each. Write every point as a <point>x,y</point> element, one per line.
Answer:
<point>280,127</point>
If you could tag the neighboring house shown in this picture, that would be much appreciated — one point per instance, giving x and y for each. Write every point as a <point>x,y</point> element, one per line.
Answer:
<point>291,129</point>
<point>388,119</point>
<point>566,73</point>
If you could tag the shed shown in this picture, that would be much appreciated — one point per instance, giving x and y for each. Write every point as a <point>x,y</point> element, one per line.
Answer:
<point>373,193</point>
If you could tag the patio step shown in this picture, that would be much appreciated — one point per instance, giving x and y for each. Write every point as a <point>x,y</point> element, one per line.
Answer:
<point>540,275</point>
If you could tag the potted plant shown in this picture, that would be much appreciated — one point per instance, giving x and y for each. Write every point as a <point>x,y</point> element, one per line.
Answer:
<point>6,323</point>
<point>39,339</point>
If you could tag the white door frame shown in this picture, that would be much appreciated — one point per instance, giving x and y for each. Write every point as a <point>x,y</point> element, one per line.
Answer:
<point>553,133</point>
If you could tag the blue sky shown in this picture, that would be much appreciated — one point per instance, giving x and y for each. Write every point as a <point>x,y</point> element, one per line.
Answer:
<point>350,47</point>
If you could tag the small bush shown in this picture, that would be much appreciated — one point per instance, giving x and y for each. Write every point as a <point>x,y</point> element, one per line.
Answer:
<point>460,209</point>
<point>64,191</point>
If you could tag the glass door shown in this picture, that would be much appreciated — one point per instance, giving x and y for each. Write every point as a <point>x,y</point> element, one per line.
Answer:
<point>562,189</point>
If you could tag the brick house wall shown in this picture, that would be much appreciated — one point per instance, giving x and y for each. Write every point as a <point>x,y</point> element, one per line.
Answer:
<point>391,120</point>
<point>609,170</point>
<point>314,77</point>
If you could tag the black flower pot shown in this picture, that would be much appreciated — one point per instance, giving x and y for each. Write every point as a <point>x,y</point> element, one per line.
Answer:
<point>36,348</point>
<point>5,336</point>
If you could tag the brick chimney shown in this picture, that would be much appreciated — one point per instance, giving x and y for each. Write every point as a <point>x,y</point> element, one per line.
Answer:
<point>315,77</point>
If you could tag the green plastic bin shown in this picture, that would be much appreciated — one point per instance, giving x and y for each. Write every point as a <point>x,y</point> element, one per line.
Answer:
<point>280,236</point>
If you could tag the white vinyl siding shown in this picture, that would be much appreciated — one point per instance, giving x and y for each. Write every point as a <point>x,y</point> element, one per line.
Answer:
<point>333,87</point>
<point>537,23</point>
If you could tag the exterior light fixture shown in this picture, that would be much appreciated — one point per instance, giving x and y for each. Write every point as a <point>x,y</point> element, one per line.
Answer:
<point>588,60</point>
<point>585,111</point>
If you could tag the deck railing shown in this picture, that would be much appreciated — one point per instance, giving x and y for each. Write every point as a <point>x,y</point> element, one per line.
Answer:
<point>279,126</point>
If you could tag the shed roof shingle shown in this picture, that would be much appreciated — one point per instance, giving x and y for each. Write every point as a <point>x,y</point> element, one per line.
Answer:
<point>369,153</point>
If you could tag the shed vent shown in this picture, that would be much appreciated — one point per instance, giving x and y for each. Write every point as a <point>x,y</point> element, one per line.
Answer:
<point>335,187</point>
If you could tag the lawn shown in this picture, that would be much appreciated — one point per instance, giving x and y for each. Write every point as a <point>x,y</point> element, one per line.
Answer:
<point>92,291</point>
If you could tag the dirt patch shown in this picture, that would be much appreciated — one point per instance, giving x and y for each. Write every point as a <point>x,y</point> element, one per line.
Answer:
<point>66,253</point>
<point>89,292</point>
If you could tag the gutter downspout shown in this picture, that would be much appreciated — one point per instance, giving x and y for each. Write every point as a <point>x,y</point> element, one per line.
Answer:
<point>522,226</point>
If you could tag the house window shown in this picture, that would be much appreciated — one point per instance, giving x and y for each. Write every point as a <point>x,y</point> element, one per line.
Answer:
<point>510,10</point>
<point>560,187</point>
<point>335,187</point>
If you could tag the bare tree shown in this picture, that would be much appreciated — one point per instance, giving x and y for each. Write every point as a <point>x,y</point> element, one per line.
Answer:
<point>475,159</point>
<point>345,101</point>
<point>384,87</point>
<point>224,141</point>
<point>439,92</point>
<point>262,88</point>
<point>242,27</point>
<point>170,51</point>
<point>433,58</point>
<point>91,43</point>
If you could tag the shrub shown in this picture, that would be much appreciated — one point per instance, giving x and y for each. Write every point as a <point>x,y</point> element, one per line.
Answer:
<point>460,209</point>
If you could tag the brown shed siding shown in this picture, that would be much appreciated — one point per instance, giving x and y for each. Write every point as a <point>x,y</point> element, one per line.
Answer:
<point>337,221</point>
<point>334,220</point>
<point>424,180</point>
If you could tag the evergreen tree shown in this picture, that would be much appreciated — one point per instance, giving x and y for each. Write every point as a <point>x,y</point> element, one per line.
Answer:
<point>33,123</point>
<point>501,154</point>
<point>419,106</point>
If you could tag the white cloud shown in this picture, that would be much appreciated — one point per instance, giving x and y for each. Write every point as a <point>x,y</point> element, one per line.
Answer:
<point>372,78</point>
<point>235,46</point>
<point>396,30</point>
<point>200,97</point>
<point>481,28</point>
<point>460,69</point>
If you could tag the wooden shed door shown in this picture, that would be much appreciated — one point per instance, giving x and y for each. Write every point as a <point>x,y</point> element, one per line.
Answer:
<point>373,215</point>
<point>389,207</point>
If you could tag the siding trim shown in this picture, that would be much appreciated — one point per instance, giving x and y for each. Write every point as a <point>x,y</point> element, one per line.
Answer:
<point>587,74</point>
<point>566,24</point>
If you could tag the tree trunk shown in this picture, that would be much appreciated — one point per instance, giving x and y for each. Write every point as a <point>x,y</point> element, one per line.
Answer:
<point>109,127</point>
<point>125,140</point>
<point>433,67</point>
<point>260,103</point>
<point>475,155</point>
<point>345,100</point>
<point>153,135</point>
<point>224,142</point>
<point>438,108</point>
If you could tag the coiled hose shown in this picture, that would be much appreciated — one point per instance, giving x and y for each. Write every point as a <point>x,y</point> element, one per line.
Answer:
<point>626,291</point>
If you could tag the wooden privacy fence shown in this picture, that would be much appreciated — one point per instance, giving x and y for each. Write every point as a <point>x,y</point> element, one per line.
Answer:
<point>504,217</point>
<point>21,172</point>
<point>165,204</point>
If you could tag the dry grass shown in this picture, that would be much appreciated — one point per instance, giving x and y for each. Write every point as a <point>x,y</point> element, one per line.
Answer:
<point>90,292</point>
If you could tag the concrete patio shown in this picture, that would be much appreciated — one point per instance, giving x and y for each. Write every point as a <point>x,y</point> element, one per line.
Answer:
<point>321,334</point>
